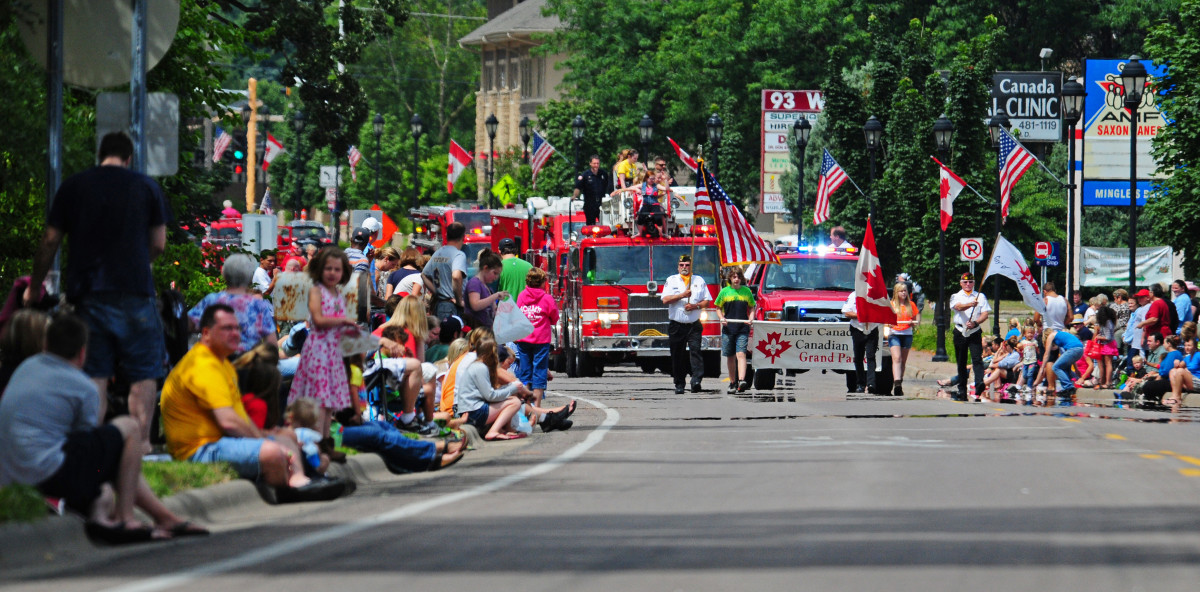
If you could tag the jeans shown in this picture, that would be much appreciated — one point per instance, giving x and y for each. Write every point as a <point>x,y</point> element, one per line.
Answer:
<point>865,346</point>
<point>684,339</point>
<point>533,364</point>
<point>443,309</point>
<point>398,452</point>
<point>1066,359</point>
<point>973,345</point>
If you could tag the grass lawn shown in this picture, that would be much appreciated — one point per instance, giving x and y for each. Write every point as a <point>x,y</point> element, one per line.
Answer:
<point>925,336</point>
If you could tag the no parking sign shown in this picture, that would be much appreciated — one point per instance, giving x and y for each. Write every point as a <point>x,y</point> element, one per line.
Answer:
<point>970,249</point>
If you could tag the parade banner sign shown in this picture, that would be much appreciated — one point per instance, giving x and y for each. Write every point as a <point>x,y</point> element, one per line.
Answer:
<point>802,346</point>
<point>1105,136</point>
<point>781,109</point>
<point>1110,267</point>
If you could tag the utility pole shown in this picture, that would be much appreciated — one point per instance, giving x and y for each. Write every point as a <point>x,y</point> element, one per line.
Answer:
<point>251,145</point>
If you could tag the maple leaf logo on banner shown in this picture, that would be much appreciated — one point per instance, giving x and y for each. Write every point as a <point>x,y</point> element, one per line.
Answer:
<point>773,347</point>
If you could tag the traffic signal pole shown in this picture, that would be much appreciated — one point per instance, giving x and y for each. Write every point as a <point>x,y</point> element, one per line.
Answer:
<point>251,145</point>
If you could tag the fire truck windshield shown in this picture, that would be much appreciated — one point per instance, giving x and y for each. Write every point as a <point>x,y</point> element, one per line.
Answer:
<point>636,265</point>
<point>569,227</point>
<point>474,220</point>
<point>811,274</point>
<point>471,250</point>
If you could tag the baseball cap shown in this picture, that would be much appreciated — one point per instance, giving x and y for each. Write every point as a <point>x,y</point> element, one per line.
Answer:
<point>372,224</point>
<point>507,243</point>
<point>1143,293</point>
<point>1077,320</point>
<point>966,277</point>
<point>451,324</point>
<point>361,235</point>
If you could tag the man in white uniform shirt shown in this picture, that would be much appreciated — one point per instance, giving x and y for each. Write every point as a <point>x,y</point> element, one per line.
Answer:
<point>865,344</point>
<point>971,310</point>
<point>685,295</point>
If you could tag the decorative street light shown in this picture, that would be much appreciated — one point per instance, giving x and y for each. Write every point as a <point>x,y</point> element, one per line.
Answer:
<point>1133,81</point>
<point>998,125</point>
<point>873,134</point>
<point>377,123</point>
<point>524,128</point>
<point>716,130</point>
<point>578,127</point>
<point>417,127</point>
<point>800,132</point>
<point>943,132</point>
<point>1072,101</point>
<point>246,113</point>
<point>298,125</point>
<point>490,124</point>
<point>646,133</point>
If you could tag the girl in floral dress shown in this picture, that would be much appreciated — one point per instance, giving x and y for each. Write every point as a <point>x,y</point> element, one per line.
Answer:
<point>321,374</point>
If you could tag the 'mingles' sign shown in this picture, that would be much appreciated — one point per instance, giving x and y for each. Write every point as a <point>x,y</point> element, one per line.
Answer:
<point>1031,101</point>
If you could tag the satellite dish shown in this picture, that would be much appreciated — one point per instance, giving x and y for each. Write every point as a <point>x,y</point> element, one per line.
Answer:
<point>97,37</point>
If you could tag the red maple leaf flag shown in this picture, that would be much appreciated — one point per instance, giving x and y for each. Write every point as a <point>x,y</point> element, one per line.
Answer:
<point>869,288</point>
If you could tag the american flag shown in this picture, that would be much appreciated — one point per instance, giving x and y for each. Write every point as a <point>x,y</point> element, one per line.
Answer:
<point>221,144</point>
<point>542,151</point>
<point>1012,160</point>
<point>737,241</point>
<point>266,203</point>
<point>354,157</point>
<point>832,177</point>
<point>703,204</point>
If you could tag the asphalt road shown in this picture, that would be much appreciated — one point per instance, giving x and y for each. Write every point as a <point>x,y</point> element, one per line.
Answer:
<point>805,490</point>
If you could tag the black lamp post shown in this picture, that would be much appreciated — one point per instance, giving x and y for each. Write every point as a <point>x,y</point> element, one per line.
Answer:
<point>716,130</point>
<point>943,132</point>
<point>246,113</point>
<point>377,123</point>
<point>298,125</point>
<point>873,134</point>
<point>997,126</point>
<point>491,124</point>
<point>417,127</point>
<point>578,127</point>
<point>646,133</point>
<point>1072,101</point>
<point>800,132</point>
<point>1133,79</point>
<point>524,128</point>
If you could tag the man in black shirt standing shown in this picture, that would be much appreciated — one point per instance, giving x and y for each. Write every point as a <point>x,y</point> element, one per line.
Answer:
<point>593,183</point>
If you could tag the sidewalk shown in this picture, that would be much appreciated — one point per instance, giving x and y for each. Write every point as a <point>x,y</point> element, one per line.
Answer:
<point>59,541</point>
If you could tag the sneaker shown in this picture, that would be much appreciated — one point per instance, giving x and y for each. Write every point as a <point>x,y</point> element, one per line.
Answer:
<point>744,386</point>
<point>696,387</point>
<point>733,386</point>
<point>552,421</point>
<point>898,392</point>
<point>430,429</point>
<point>679,390</point>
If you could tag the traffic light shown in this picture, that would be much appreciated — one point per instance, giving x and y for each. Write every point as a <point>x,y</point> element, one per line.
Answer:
<point>238,152</point>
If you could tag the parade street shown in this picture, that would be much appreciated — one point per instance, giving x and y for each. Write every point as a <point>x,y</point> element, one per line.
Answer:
<point>797,490</point>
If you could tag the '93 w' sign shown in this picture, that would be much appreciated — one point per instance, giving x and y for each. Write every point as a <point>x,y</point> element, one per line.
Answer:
<point>811,101</point>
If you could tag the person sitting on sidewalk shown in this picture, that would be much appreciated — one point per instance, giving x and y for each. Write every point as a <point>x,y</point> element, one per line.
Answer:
<point>51,437</point>
<point>1002,370</point>
<point>204,420</point>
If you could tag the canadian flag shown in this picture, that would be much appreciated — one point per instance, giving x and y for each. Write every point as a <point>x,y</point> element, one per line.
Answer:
<point>460,159</point>
<point>684,156</point>
<point>870,290</point>
<point>951,185</point>
<point>274,148</point>
<point>1009,262</point>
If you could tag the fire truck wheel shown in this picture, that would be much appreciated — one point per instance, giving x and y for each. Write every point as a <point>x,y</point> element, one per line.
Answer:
<point>584,364</point>
<point>572,367</point>
<point>764,380</point>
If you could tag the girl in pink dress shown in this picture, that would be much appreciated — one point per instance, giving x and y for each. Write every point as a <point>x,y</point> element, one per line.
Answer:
<point>321,374</point>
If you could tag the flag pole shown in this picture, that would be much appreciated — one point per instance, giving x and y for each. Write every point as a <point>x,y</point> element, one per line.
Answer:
<point>1036,159</point>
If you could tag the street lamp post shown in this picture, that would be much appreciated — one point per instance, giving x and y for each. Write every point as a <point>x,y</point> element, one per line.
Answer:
<point>943,132</point>
<point>997,126</point>
<point>872,133</point>
<point>417,127</point>
<point>1133,79</point>
<point>298,125</point>
<point>578,127</point>
<point>377,123</point>
<point>800,132</point>
<point>491,124</point>
<point>1072,100</point>
<point>524,128</point>
<point>716,130</point>
<point>646,133</point>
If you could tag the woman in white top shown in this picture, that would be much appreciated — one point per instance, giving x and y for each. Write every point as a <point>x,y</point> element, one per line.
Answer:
<point>481,403</point>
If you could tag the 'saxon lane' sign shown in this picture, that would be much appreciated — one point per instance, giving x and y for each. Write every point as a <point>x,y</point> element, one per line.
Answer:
<point>1105,135</point>
<point>1032,102</point>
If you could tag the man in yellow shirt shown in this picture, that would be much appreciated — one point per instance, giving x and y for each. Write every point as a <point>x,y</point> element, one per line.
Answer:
<point>204,419</point>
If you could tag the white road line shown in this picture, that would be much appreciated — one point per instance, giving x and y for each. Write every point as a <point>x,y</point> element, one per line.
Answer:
<point>288,547</point>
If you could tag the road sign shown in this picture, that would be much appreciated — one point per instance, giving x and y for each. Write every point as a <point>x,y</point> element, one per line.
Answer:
<point>328,174</point>
<point>1046,254</point>
<point>331,197</point>
<point>970,249</point>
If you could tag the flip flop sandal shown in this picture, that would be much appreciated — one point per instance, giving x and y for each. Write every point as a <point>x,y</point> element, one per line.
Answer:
<point>118,534</point>
<point>186,529</point>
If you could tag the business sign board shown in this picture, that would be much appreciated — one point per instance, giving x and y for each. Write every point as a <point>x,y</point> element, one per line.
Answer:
<point>1104,155</point>
<point>1046,254</point>
<point>1110,267</point>
<point>781,109</point>
<point>1032,102</point>
<point>802,346</point>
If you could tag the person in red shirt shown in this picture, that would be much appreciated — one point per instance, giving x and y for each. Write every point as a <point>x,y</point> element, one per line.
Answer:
<point>1158,317</point>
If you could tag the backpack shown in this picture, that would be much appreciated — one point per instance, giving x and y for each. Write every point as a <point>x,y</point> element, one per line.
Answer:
<point>1173,314</point>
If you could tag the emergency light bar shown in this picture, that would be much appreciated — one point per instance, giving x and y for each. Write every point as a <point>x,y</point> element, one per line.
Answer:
<point>596,231</point>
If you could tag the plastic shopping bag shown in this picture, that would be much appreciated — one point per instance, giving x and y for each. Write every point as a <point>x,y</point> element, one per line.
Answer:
<point>510,323</point>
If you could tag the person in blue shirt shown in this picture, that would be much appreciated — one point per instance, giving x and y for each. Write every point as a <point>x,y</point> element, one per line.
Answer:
<point>1182,302</point>
<point>1070,351</point>
<point>1185,374</point>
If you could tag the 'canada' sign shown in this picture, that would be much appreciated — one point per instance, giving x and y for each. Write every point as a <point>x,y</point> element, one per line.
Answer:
<point>798,346</point>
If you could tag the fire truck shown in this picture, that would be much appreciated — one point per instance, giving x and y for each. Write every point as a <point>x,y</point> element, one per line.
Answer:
<point>429,230</point>
<point>542,230</point>
<point>810,285</point>
<point>610,288</point>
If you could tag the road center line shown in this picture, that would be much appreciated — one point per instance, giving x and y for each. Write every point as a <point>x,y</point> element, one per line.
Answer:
<point>288,547</point>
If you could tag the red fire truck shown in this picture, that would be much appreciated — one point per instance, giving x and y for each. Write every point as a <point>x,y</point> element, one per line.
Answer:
<point>810,285</point>
<point>543,234</point>
<point>429,229</point>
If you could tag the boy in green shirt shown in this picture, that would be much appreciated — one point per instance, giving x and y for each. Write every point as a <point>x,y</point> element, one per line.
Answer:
<point>735,305</point>
<point>512,274</point>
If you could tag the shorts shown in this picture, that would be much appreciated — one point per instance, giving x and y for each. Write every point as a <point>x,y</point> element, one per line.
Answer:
<point>731,345</point>
<point>900,341</point>
<point>90,459</point>
<point>241,453</point>
<point>124,331</point>
<point>479,417</point>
